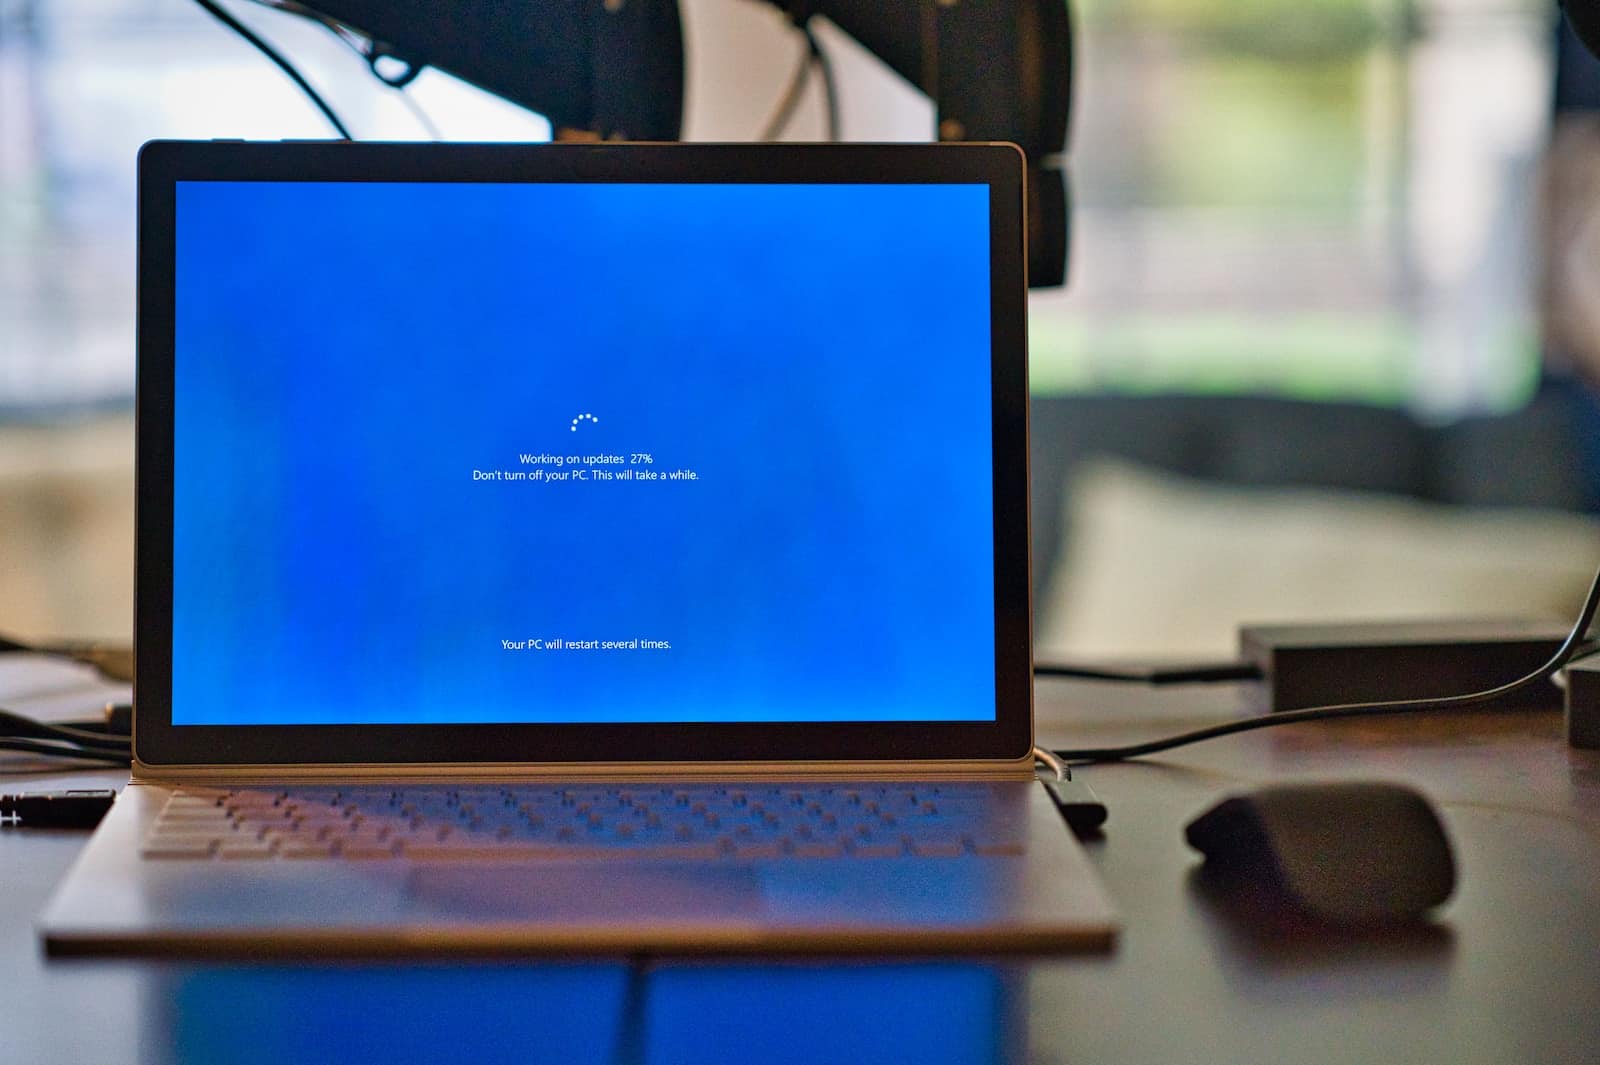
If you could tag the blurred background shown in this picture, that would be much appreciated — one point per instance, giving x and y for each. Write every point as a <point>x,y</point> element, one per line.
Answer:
<point>1326,350</point>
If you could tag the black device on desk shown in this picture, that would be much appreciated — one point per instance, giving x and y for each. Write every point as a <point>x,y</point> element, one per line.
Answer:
<point>1347,852</point>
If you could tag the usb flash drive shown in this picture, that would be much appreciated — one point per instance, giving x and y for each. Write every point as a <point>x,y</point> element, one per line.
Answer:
<point>57,809</point>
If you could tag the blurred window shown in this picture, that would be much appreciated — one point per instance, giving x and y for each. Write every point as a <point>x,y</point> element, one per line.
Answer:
<point>1328,199</point>
<point>83,83</point>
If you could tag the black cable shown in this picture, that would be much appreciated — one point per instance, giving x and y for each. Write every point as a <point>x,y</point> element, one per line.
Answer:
<point>16,725</point>
<point>1575,644</point>
<point>419,113</point>
<point>1218,671</point>
<point>100,728</point>
<point>791,96</point>
<point>830,90</point>
<point>44,747</point>
<point>371,53</point>
<point>813,57</point>
<point>98,741</point>
<point>222,16</point>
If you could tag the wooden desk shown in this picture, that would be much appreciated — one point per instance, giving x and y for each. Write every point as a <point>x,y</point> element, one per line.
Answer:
<point>1510,974</point>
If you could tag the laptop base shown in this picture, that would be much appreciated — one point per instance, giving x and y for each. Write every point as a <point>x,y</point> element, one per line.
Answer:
<point>1044,900</point>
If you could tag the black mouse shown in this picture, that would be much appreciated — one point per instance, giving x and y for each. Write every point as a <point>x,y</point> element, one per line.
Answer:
<point>1346,852</point>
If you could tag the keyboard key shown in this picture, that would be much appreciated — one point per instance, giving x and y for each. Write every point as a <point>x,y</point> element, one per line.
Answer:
<point>156,848</point>
<point>938,848</point>
<point>862,849</point>
<point>1003,847</point>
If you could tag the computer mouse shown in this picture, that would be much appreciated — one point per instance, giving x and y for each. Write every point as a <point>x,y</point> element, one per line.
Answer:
<point>1344,852</point>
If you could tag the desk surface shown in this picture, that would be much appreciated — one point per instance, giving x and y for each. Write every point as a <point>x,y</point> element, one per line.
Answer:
<point>1510,972</point>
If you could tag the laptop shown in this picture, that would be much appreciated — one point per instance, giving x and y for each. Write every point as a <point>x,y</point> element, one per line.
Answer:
<point>581,549</point>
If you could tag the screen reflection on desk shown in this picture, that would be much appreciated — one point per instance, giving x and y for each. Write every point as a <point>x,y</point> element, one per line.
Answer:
<point>774,1014</point>
<point>679,1012</point>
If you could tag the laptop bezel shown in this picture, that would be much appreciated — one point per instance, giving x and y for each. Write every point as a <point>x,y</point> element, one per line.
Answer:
<point>159,743</point>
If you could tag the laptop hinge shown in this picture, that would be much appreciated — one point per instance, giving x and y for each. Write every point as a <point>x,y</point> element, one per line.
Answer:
<point>618,771</point>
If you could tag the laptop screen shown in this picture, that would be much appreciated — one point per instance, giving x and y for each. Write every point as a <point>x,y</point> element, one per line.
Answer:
<point>581,453</point>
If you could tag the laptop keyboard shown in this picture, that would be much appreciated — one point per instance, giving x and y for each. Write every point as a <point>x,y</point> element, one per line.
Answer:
<point>521,822</point>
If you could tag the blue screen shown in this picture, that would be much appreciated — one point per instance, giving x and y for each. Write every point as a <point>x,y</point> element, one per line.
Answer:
<point>562,453</point>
